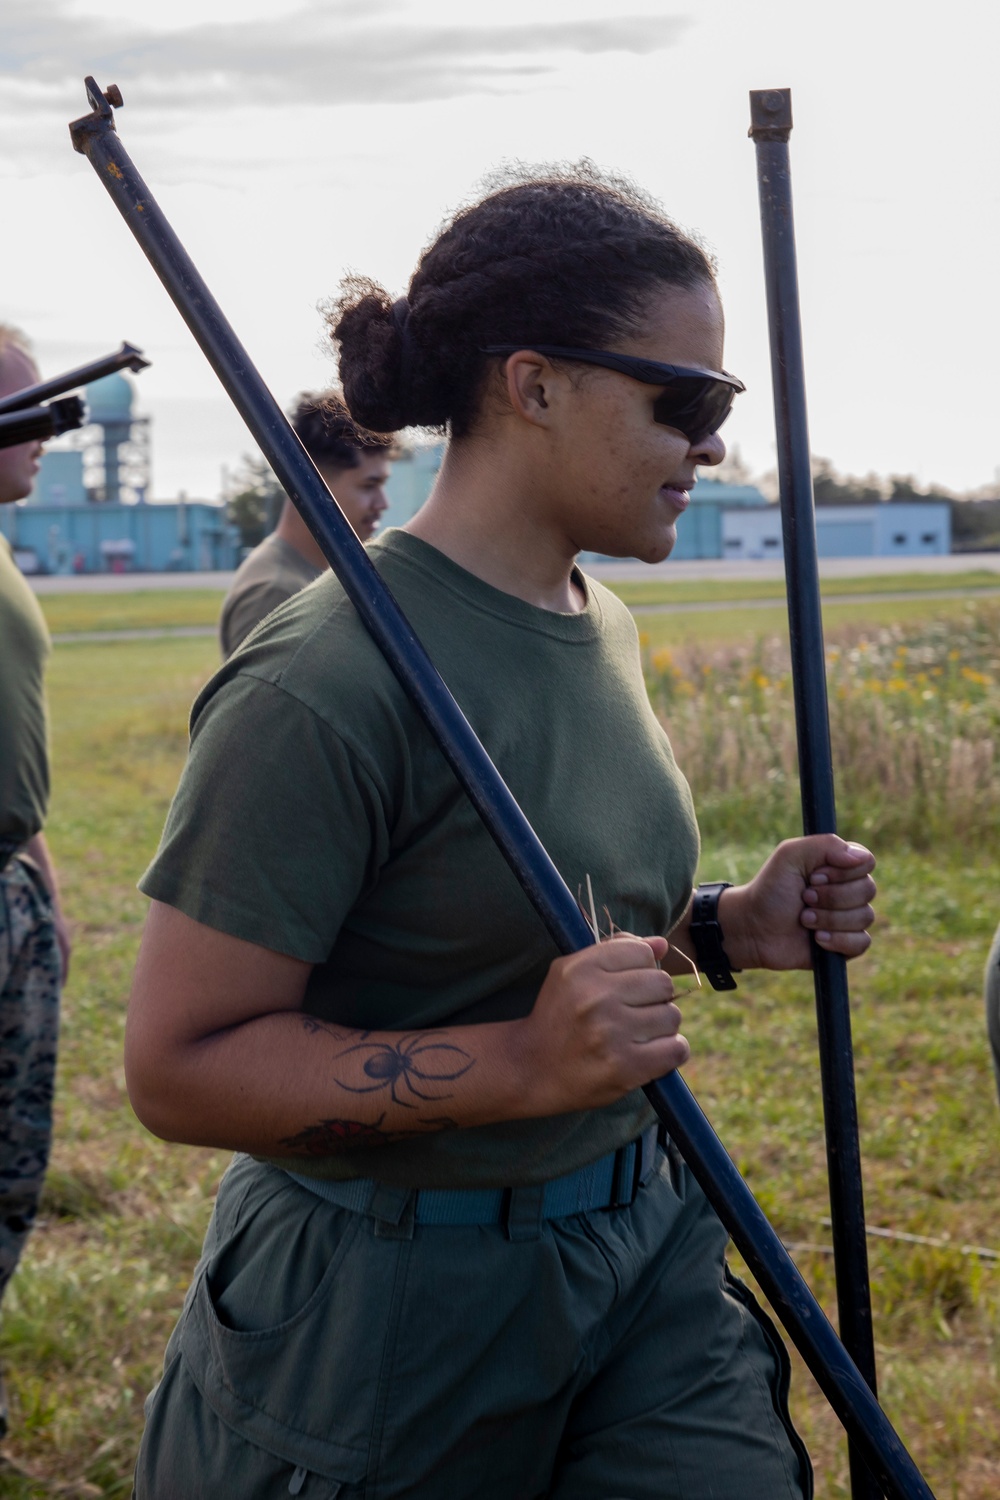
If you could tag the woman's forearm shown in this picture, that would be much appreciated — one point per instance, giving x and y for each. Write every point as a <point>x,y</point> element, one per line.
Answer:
<point>291,1085</point>
<point>219,1051</point>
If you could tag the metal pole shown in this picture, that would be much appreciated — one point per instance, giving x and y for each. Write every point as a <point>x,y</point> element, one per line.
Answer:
<point>126,358</point>
<point>95,136</point>
<point>771,124</point>
<point>39,423</point>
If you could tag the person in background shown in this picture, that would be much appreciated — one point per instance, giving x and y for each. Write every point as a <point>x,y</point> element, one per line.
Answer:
<point>992,997</point>
<point>355,465</point>
<point>34,938</point>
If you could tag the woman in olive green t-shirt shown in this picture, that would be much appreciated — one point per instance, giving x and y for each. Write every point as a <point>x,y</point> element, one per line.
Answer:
<point>454,1259</point>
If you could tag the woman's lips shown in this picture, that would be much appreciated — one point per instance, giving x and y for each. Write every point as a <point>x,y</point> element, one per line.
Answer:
<point>676,496</point>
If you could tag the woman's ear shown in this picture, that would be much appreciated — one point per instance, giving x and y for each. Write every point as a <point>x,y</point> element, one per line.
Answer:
<point>532,386</point>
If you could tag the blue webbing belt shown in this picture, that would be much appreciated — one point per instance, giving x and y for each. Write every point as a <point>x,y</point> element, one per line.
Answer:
<point>610,1182</point>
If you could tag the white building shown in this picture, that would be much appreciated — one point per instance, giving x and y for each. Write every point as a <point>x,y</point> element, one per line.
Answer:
<point>893,529</point>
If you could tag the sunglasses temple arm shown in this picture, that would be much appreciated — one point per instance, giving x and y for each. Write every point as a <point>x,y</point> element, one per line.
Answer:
<point>94,135</point>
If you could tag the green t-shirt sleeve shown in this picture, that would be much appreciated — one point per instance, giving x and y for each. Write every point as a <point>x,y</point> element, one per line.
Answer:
<point>246,609</point>
<point>277,827</point>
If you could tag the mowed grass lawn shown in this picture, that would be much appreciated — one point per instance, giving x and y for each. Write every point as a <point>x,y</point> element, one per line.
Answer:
<point>88,1314</point>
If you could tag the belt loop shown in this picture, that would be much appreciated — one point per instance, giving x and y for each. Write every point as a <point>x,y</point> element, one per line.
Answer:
<point>393,1209</point>
<point>522,1212</point>
<point>623,1176</point>
<point>643,1158</point>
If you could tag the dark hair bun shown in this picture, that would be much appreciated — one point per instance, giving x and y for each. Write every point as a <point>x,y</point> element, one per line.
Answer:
<point>371,355</point>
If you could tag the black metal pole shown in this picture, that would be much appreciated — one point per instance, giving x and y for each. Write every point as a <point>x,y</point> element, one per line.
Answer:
<point>771,124</point>
<point>94,135</point>
<point>39,423</point>
<point>126,358</point>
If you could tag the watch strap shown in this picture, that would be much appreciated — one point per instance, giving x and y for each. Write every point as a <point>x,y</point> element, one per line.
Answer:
<point>707,936</point>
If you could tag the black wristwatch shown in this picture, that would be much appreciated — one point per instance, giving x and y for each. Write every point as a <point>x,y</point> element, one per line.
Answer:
<point>707,937</point>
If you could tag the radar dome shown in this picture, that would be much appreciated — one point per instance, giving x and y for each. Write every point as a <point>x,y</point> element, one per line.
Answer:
<point>109,399</point>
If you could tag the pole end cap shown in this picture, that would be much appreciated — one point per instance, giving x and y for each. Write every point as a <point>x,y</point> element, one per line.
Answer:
<point>101,117</point>
<point>770,114</point>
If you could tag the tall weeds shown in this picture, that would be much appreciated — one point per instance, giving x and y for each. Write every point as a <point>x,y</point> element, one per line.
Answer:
<point>914,720</point>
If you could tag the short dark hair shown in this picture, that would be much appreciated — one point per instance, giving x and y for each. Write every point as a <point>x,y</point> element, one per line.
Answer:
<point>569,257</point>
<point>330,434</point>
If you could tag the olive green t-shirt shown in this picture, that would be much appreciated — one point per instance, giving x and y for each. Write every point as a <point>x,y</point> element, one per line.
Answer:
<point>317,817</point>
<point>272,573</point>
<point>24,761</point>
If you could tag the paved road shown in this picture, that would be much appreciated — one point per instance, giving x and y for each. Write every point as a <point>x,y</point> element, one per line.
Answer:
<point>125,583</point>
<point>152,633</point>
<point>625,571</point>
<point>719,569</point>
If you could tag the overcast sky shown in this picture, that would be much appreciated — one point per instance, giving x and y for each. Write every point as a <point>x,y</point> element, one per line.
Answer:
<point>291,140</point>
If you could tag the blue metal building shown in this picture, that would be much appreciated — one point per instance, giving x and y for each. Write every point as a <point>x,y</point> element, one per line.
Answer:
<point>699,530</point>
<point>101,538</point>
<point>895,528</point>
<point>88,511</point>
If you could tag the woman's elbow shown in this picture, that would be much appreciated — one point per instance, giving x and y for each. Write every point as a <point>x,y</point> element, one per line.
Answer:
<point>155,1080</point>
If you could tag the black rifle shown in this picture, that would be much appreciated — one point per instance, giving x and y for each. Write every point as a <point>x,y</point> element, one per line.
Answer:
<point>38,423</point>
<point>96,137</point>
<point>770,127</point>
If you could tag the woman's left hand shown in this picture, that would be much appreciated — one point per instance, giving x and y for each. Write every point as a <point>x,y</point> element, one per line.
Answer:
<point>820,885</point>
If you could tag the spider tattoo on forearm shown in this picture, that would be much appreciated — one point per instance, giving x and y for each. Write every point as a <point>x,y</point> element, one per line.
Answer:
<point>403,1066</point>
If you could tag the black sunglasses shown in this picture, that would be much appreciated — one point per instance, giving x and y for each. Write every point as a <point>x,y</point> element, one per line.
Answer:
<point>695,402</point>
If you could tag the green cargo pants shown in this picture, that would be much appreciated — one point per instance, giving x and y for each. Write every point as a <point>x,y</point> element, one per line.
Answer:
<point>328,1353</point>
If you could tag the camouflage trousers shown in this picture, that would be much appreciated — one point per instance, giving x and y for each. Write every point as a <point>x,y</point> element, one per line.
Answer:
<point>30,974</point>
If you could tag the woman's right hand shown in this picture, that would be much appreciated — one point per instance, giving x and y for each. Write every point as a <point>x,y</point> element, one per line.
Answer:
<point>604,1023</point>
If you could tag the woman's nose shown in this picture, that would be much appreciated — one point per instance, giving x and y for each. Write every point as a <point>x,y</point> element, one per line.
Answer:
<point>710,451</point>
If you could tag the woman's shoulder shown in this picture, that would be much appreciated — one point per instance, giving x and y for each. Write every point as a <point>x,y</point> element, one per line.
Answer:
<point>617,620</point>
<point>609,601</point>
<point>312,654</point>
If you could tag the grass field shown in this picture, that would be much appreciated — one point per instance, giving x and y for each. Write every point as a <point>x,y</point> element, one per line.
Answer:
<point>87,1316</point>
<point>733,590</point>
<point>152,608</point>
<point>146,609</point>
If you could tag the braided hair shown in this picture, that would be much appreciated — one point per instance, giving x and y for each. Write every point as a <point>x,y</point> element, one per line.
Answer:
<point>569,257</point>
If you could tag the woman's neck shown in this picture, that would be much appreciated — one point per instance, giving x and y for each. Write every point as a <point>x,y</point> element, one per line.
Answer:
<point>483,514</point>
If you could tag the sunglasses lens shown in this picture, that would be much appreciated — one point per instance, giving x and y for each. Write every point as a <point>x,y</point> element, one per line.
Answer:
<point>695,407</point>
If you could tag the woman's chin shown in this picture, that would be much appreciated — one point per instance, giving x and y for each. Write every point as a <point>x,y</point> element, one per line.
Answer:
<point>658,548</point>
<point>652,547</point>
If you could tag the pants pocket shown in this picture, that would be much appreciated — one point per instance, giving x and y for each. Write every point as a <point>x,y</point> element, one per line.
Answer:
<point>203,1457</point>
<point>286,1331</point>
